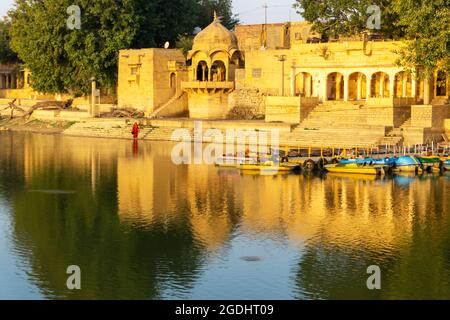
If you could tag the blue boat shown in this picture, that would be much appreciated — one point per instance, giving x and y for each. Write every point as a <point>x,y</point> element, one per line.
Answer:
<point>407,164</point>
<point>447,165</point>
<point>371,161</point>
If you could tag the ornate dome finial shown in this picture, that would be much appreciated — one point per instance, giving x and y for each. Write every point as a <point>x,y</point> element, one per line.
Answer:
<point>215,15</point>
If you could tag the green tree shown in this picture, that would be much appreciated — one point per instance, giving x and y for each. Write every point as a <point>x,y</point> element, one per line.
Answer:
<point>426,25</point>
<point>346,17</point>
<point>184,43</point>
<point>6,54</point>
<point>223,9</point>
<point>63,60</point>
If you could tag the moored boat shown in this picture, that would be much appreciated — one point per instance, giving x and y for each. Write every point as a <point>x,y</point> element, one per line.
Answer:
<point>431,163</point>
<point>354,168</point>
<point>407,164</point>
<point>269,166</point>
<point>371,161</point>
<point>447,165</point>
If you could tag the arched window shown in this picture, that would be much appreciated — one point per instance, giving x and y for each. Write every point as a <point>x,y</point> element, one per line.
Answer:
<point>202,71</point>
<point>173,80</point>
<point>380,85</point>
<point>218,72</point>
<point>357,86</point>
<point>335,86</point>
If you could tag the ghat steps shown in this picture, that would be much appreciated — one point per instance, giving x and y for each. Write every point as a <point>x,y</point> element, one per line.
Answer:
<point>342,124</point>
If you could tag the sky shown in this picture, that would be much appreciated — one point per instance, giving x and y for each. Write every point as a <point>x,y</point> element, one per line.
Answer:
<point>249,11</point>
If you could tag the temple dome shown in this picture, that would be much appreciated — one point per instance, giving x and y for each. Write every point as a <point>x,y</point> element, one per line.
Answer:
<point>213,38</point>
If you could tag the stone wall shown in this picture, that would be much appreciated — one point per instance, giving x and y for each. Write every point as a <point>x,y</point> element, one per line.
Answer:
<point>387,115</point>
<point>429,116</point>
<point>208,106</point>
<point>248,98</point>
<point>447,127</point>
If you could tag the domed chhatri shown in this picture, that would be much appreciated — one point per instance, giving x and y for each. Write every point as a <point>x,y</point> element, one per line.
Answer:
<point>215,57</point>
<point>214,37</point>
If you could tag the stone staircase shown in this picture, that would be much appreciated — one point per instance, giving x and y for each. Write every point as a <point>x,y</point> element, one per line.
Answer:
<point>335,114</point>
<point>166,105</point>
<point>337,124</point>
<point>394,137</point>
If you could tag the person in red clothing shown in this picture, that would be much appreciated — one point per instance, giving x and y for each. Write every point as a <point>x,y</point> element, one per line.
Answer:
<point>135,131</point>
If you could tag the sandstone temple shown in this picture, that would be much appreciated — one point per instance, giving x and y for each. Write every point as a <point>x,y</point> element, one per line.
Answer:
<point>283,75</point>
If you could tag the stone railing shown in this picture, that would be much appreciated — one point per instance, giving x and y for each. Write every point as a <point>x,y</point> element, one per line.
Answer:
<point>207,85</point>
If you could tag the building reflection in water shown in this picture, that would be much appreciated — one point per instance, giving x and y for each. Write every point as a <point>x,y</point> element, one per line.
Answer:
<point>150,225</point>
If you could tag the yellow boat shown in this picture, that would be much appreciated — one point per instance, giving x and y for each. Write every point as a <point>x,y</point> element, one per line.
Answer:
<point>354,176</point>
<point>269,166</point>
<point>354,168</point>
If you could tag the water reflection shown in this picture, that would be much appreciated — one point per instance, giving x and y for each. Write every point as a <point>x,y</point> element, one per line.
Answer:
<point>141,227</point>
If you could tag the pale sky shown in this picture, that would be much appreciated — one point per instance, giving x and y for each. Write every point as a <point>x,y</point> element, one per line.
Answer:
<point>250,11</point>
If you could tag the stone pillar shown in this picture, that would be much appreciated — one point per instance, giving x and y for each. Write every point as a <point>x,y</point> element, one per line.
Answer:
<point>413,86</point>
<point>405,85</point>
<point>359,87</point>
<point>293,84</point>
<point>346,87</point>
<point>14,82</point>
<point>324,88</point>
<point>308,89</point>
<point>391,85</point>
<point>338,87</point>
<point>382,85</point>
<point>303,91</point>
<point>426,91</point>
<point>203,72</point>
<point>2,81</point>
<point>368,87</point>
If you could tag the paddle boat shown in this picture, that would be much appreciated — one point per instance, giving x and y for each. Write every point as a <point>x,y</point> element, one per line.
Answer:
<point>447,165</point>
<point>354,168</point>
<point>385,164</point>
<point>234,161</point>
<point>370,161</point>
<point>407,164</point>
<point>431,163</point>
<point>269,166</point>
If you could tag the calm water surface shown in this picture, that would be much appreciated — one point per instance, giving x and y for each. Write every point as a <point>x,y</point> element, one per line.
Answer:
<point>142,228</point>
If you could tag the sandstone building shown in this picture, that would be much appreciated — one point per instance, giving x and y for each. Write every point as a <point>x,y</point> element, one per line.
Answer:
<point>286,74</point>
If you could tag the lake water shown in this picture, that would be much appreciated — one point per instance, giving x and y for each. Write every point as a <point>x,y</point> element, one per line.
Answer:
<point>141,227</point>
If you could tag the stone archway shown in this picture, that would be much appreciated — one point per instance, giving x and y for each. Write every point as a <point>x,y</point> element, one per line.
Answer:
<point>202,71</point>
<point>218,71</point>
<point>304,84</point>
<point>335,86</point>
<point>173,83</point>
<point>380,85</point>
<point>357,84</point>
<point>403,85</point>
